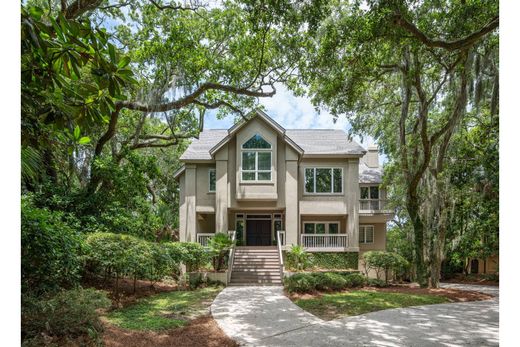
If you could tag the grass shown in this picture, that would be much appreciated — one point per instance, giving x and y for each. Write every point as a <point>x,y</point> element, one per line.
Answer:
<point>335,305</point>
<point>165,310</point>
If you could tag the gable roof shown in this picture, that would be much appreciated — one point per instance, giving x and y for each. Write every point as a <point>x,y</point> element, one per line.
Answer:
<point>370,174</point>
<point>307,142</point>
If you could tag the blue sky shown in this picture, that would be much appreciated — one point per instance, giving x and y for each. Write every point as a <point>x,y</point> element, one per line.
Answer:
<point>291,112</point>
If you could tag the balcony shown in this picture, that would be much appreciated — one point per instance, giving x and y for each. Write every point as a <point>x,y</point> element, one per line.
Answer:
<point>374,206</point>
<point>325,242</point>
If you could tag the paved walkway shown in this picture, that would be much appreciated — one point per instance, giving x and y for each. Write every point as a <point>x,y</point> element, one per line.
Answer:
<point>263,316</point>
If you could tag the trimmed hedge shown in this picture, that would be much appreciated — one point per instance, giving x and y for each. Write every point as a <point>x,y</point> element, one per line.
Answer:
<point>341,260</point>
<point>310,282</point>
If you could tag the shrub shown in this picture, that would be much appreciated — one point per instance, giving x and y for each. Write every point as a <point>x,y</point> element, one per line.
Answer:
<point>298,258</point>
<point>332,261</point>
<point>300,283</point>
<point>355,280</point>
<point>219,245</point>
<point>51,250</point>
<point>330,281</point>
<point>376,282</point>
<point>70,313</point>
<point>194,256</point>
<point>383,262</point>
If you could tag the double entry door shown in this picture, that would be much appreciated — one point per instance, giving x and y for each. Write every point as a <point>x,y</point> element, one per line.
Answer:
<point>258,232</point>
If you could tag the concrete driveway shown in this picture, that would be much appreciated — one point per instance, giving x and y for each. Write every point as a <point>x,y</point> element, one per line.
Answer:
<point>263,316</point>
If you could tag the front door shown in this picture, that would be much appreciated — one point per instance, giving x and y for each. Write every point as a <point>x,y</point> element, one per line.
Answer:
<point>258,233</point>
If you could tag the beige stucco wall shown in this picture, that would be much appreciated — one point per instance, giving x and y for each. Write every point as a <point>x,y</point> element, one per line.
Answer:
<point>205,199</point>
<point>379,243</point>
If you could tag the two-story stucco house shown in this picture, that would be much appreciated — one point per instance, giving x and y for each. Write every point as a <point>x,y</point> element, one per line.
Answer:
<point>317,187</point>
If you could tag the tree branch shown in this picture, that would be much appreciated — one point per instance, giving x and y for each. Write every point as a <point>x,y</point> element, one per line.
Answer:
<point>465,42</point>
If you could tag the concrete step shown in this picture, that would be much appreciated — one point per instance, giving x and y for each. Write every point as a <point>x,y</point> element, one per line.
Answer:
<point>256,248</point>
<point>252,254</point>
<point>252,257</point>
<point>256,270</point>
<point>243,284</point>
<point>255,273</point>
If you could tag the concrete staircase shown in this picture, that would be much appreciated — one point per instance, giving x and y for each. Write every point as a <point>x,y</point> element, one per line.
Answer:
<point>256,266</point>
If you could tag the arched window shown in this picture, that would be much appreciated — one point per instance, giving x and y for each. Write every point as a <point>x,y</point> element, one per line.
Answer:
<point>256,159</point>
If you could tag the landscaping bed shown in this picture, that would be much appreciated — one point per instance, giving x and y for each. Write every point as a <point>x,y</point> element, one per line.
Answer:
<point>487,280</point>
<point>332,305</point>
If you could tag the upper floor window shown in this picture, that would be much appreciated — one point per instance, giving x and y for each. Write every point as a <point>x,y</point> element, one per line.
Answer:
<point>369,193</point>
<point>212,180</point>
<point>256,159</point>
<point>321,227</point>
<point>323,180</point>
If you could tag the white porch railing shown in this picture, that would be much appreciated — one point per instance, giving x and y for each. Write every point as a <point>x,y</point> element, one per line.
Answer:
<point>279,239</point>
<point>372,205</point>
<point>203,238</point>
<point>231,258</point>
<point>324,241</point>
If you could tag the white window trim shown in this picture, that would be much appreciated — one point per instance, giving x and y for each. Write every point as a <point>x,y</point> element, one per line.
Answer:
<point>326,227</point>
<point>314,178</point>
<point>364,226</point>
<point>256,171</point>
<point>209,181</point>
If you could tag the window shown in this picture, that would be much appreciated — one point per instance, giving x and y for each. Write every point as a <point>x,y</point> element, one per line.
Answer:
<point>366,234</point>
<point>370,198</point>
<point>323,180</point>
<point>212,180</point>
<point>256,159</point>
<point>321,227</point>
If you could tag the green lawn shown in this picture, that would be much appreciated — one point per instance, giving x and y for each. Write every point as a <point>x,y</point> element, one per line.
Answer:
<point>332,306</point>
<point>165,310</point>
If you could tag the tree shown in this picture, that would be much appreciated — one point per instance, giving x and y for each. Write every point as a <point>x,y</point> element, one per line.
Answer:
<point>405,73</point>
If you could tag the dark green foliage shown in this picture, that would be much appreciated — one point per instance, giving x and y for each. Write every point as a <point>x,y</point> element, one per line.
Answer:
<point>375,282</point>
<point>69,313</point>
<point>354,280</point>
<point>219,246</point>
<point>311,281</point>
<point>194,256</point>
<point>339,260</point>
<point>51,249</point>
<point>330,281</point>
<point>300,283</point>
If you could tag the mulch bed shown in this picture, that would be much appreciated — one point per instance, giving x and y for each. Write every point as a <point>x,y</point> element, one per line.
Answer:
<point>454,295</point>
<point>202,331</point>
<point>463,279</point>
<point>126,294</point>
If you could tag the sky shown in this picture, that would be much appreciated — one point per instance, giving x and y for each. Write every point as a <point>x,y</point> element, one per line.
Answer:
<point>291,112</point>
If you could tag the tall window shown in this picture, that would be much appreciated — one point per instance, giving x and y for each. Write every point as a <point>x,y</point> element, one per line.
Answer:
<point>366,234</point>
<point>212,180</point>
<point>323,180</point>
<point>256,159</point>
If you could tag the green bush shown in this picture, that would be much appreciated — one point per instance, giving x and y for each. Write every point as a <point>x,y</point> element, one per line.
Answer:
<point>384,262</point>
<point>355,280</point>
<point>375,282</point>
<point>194,256</point>
<point>219,246</point>
<point>51,250</point>
<point>297,258</point>
<point>330,281</point>
<point>70,313</point>
<point>300,283</point>
<point>331,261</point>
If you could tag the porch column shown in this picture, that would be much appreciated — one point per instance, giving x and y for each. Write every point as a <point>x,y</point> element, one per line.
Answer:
<point>291,202</point>
<point>191,203</point>
<point>221,191</point>
<point>352,202</point>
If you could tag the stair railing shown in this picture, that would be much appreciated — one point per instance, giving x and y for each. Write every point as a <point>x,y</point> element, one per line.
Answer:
<point>231,257</point>
<point>279,243</point>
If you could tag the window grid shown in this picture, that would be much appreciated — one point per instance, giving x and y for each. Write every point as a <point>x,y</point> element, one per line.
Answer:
<point>314,224</point>
<point>258,173</point>
<point>332,169</point>
<point>364,231</point>
<point>212,180</point>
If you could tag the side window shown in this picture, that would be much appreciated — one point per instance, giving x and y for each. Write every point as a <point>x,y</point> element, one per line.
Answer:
<point>366,234</point>
<point>323,180</point>
<point>212,180</point>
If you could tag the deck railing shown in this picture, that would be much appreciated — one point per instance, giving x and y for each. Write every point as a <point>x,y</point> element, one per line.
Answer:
<point>279,239</point>
<point>231,258</point>
<point>324,241</point>
<point>373,205</point>
<point>203,238</point>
